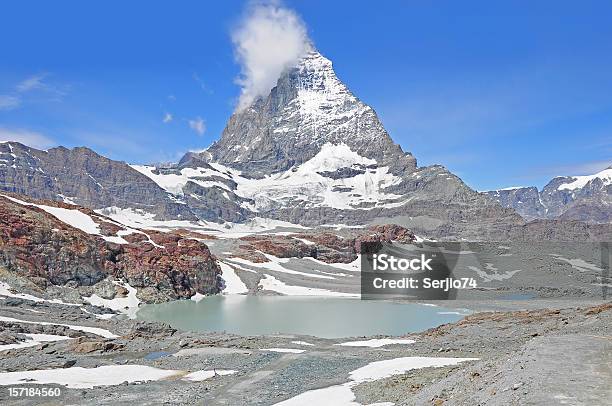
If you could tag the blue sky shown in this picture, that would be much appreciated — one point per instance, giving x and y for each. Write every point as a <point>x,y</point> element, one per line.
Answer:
<point>502,93</point>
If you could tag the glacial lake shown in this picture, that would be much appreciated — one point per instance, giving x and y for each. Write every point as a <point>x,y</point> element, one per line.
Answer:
<point>316,316</point>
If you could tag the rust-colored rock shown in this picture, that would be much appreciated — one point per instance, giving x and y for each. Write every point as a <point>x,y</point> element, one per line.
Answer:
<point>85,347</point>
<point>325,246</point>
<point>281,246</point>
<point>36,244</point>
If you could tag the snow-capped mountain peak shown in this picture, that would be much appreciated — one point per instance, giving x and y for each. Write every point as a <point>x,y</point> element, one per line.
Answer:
<point>584,197</point>
<point>309,107</point>
<point>578,182</point>
<point>319,92</point>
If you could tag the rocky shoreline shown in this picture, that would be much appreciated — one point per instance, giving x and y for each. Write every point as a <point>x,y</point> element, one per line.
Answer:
<point>555,350</point>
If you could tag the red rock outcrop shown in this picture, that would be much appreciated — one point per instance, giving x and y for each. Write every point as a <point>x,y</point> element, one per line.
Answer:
<point>38,245</point>
<point>324,246</point>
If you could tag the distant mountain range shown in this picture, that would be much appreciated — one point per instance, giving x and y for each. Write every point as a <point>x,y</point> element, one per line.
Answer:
<point>584,198</point>
<point>310,153</point>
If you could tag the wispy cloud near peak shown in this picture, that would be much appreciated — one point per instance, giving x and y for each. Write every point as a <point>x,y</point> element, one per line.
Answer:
<point>33,82</point>
<point>269,39</point>
<point>198,125</point>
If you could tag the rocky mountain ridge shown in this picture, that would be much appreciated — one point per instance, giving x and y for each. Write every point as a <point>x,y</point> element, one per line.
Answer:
<point>83,177</point>
<point>584,198</point>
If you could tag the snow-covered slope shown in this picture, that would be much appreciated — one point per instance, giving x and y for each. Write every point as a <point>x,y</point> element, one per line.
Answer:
<point>336,177</point>
<point>579,182</point>
<point>74,218</point>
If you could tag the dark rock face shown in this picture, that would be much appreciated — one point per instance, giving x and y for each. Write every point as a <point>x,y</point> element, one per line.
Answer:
<point>583,198</point>
<point>526,201</point>
<point>342,173</point>
<point>38,245</point>
<point>214,203</point>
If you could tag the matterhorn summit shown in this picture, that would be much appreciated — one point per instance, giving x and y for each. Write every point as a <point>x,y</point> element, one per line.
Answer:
<point>308,108</point>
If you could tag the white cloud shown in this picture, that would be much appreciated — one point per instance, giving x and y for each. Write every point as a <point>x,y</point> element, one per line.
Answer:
<point>198,125</point>
<point>168,117</point>
<point>32,83</point>
<point>30,138</point>
<point>38,84</point>
<point>269,39</point>
<point>8,102</point>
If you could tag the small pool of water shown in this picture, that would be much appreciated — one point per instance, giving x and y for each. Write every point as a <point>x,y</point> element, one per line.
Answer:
<point>317,316</point>
<point>157,354</point>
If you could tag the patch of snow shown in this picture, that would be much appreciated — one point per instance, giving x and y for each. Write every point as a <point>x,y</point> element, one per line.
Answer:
<point>127,305</point>
<point>138,218</point>
<point>377,342</point>
<point>284,350</point>
<point>66,199</point>
<point>253,226</point>
<point>5,290</point>
<point>306,184</point>
<point>493,274</point>
<point>197,297</point>
<point>274,264</point>
<point>33,340</point>
<point>174,183</point>
<point>104,316</point>
<point>354,266</point>
<point>198,376</point>
<point>81,378</point>
<point>144,220</point>
<point>579,264</point>
<point>301,343</point>
<point>307,242</point>
<point>94,330</point>
<point>233,283</point>
<point>242,268</point>
<point>337,395</point>
<point>268,282</point>
<point>384,369</point>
